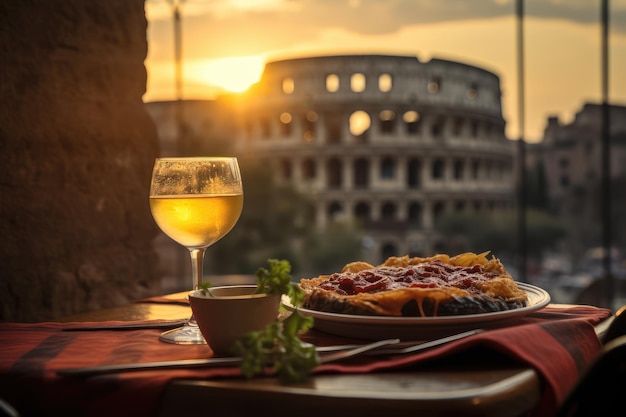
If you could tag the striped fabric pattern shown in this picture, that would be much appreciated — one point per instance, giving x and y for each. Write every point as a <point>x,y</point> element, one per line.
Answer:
<point>558,342</point>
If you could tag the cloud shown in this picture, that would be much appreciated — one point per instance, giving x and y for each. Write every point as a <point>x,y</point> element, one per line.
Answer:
<point>382,16</point>
<point>234,27</point>
<point>378,16</point>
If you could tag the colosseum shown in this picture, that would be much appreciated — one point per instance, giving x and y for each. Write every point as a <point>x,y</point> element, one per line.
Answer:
<point>387,142</point>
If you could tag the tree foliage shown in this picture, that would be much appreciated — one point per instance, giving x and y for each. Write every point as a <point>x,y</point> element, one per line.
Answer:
<point>331,249</point>
<point>499,233</point>
<point>274,219</point>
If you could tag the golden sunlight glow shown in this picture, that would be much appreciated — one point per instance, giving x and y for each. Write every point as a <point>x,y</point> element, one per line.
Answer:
<point>359,122</point>
<point>235,74</point>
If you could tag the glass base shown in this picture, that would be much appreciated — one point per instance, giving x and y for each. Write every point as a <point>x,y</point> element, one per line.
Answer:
<point>189,334</point>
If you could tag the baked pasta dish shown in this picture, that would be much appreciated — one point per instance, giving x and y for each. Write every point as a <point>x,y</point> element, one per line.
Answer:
<point>440,285</point>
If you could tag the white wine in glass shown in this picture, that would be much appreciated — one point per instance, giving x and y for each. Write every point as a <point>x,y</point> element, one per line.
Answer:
<point>196,201</point>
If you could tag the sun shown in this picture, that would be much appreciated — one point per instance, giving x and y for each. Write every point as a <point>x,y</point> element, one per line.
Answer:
<point>234,74</point>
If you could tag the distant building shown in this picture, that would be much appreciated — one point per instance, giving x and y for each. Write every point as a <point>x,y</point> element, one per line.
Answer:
<point>572,153</point>
<point>569,159</point>
<point>387,142</point>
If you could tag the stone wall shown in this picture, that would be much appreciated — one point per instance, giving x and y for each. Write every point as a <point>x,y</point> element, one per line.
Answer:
<point>76,152</point>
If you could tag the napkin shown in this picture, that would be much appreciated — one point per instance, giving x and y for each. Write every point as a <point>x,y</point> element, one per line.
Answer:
<point>559,343</point>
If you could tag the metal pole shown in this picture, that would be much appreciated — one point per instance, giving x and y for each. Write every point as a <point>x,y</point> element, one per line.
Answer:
<point>178,75</point>
<point>178,55</point>
<point>521,150</point>
<point>606,160</point>
<point>178,52</point>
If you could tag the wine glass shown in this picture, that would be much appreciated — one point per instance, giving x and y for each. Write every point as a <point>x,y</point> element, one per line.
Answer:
<point>196,201</point>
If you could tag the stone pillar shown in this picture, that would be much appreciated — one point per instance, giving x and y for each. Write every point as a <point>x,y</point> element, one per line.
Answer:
<point>374,171</point>
<point>401,172</point>
<point>321,174</point>
<point>77,148</point>
<point>467,170</point>
<point>376,212</point>
<point>427,169</point>
<point>297,130</point>
<point>403,210</point>
<point>448,170</point>
<point>347,173</point>
<point>427,215</point>
<point>320,129</point>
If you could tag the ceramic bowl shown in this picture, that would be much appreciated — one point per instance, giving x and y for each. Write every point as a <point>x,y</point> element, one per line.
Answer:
<point>229,312</point>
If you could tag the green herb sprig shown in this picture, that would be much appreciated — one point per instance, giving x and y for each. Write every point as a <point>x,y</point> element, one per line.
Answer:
<point>277,280</point>
<point>279,345</point>
<point>205,288</point>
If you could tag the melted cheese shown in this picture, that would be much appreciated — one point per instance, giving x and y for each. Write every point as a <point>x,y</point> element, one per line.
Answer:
<point>385,289</point>
<point>390,303</point>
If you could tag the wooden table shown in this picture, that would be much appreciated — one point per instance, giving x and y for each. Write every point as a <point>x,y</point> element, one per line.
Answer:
<point>453,389</point>
<point>510,391</point>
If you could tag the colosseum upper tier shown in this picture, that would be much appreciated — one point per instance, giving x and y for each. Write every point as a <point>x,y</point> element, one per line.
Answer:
<point>386,142</point>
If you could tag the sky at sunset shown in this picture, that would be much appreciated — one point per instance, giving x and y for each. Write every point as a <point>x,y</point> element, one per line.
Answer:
<point>225,44</point>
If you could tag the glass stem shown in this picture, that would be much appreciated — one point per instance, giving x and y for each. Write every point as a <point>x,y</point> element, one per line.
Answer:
<point>197,272</point>
<point>197,261</point>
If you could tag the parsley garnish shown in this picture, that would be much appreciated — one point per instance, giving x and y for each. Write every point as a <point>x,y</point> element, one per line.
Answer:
<point>205,288</point>
<point>277,280</point>
<point>279,344</point>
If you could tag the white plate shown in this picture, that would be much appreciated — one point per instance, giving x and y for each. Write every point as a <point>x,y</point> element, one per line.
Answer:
<point>419,328</point>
